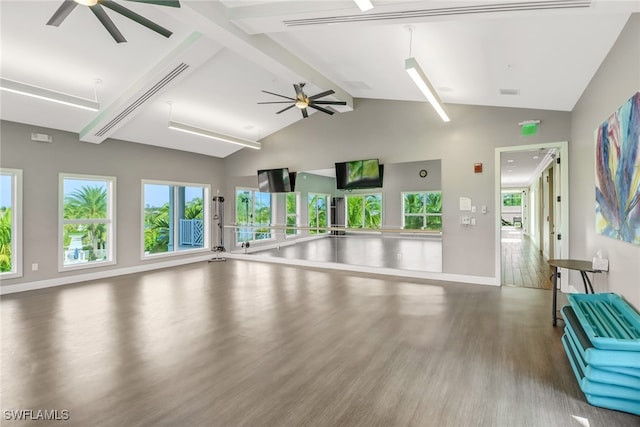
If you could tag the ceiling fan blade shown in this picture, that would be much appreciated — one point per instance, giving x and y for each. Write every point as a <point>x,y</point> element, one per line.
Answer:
<point>329,102</point>
<point>136,17</point>
<point>63,11</point>
<point>324,110</point>
<point>107,22</point>
<point>304,113</point>
<point>170,3</point>
<point>281,96</point>
<point>322,94</point>
<point>275,102</point>
<point>299,92</point>
<point>285,109</point>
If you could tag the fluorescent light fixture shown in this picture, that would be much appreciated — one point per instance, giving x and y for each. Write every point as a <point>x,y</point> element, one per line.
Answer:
<point>420,79</point>
<point>364,5</point>
<point>48,95</point>
<point>213,135</point>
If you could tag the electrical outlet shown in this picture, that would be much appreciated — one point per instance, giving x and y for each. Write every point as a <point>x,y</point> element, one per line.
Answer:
<point>34,266</point>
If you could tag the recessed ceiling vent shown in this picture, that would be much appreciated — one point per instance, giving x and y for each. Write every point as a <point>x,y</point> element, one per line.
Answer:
<point>444,11</point>
<point>143,98</point>
<point>509,91</point>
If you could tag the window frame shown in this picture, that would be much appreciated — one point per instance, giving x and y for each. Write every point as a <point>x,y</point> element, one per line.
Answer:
<point>272,212</point>
<point>206,219</point>
<point>424,215</point>
<point>109,220</point>
<point>295,215</point>
<point>316,231</point>
<point>364,209</point>
<point>16,224</point>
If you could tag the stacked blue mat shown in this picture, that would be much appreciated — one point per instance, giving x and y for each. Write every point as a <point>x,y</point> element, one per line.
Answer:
<point>602,341</point>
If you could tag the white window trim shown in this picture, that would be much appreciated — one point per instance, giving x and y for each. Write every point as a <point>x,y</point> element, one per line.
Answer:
<point>253,192</point>
<point>206,218</point>
<point>424,215</point>
<point>297,215</point>
<point>110,219</point>
<point>16,224</point>
<point>327,198</point>
<point>364,196</point>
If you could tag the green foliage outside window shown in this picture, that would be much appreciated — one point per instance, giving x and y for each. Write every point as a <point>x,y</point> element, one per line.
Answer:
<point>364,211</point>
<point>88,203</point>
<point>292,214</point>
<point>318,213</point>
<point>512,199</point>
<point>5,239</point>
<point>423,211</point>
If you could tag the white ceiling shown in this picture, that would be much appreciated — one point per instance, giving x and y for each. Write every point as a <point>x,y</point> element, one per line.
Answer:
<point>235,49</point>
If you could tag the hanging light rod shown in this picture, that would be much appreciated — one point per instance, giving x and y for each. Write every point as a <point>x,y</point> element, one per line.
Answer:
<point>48,95</point>
<point>213,135</point>
<point>420,79</point>
<point>364,5</point>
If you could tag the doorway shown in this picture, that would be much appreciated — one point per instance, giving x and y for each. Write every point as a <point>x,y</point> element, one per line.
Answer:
<point>531,212</point>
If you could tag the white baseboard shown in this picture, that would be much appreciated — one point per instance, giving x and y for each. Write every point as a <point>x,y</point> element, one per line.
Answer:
<point>414,274</point>
<point>67,280</point>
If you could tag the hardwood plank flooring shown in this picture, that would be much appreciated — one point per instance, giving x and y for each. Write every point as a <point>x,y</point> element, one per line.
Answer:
<point>243,343</point>
<point>522,263</point>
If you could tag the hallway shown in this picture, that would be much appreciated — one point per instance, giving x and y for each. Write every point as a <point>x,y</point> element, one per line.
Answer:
<point>523,265</point>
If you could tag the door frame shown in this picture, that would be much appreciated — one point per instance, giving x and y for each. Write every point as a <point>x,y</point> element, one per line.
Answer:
<point>563,148</point>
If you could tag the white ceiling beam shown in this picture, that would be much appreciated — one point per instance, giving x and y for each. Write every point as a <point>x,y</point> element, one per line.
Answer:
<point>211,18</point>
<point>193,52</point>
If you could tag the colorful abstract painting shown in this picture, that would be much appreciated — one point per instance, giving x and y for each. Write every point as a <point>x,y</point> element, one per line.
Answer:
<point>618,174</point>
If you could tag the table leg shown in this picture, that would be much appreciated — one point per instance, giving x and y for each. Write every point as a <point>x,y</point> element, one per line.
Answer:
<point>586,281</point>
<point>555,295</point>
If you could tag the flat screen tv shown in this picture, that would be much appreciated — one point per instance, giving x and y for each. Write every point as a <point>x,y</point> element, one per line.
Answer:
<point>358,174</point>
<point>274,181</point>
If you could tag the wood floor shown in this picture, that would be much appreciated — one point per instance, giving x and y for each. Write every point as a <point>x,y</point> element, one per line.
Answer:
<point>242,343</point>
<point>522,263</point>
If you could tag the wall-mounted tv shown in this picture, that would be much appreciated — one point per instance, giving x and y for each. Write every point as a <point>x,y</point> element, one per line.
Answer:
<point>359,174</point>
<point>275,180</point>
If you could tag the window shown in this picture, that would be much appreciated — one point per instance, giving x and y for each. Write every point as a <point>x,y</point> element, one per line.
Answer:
<point>292,213</point>
<point>318,213</point>
<point>175,217</point>
<point>10,223</point>
<point>364,211</point>
<point>422,211</point>
<point>87,229</point>
<point>253,209</point>
<point>512,199</point>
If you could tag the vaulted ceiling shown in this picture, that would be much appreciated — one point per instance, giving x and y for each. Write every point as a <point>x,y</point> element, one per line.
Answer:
<point>222,54</point>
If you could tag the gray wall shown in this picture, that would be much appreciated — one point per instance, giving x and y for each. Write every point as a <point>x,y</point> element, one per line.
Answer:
<point>615,82</point>
<point>396,132</point>
<point>128,162</point>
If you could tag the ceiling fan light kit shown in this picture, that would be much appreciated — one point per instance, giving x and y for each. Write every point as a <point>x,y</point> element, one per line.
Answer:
<point>182,127</point>
<point>48,95</point>
<point>303,101</point>
<point>420,79</point>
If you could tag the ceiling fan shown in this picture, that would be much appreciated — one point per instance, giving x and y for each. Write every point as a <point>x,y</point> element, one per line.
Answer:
<point>96,7</point>
<point>303,101</point>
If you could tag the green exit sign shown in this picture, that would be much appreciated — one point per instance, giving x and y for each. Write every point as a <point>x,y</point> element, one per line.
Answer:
<point>529,129</point>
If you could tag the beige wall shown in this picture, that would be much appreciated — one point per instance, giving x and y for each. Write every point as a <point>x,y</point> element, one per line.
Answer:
<point>128,162</point>
<point>617,79</point>
<point>396,132</point>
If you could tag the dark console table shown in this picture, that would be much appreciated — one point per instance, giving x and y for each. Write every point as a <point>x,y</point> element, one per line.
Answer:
<point>583,267</point>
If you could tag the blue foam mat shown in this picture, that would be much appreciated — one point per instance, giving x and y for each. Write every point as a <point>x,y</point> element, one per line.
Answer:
<point>595,357</point>
<point>602,395</point>
<point>608,320</point>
